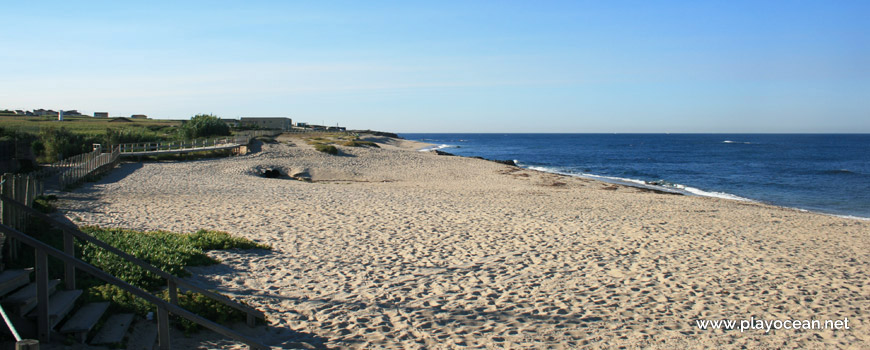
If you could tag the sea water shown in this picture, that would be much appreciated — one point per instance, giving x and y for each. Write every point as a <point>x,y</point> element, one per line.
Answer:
<point>828,173</point>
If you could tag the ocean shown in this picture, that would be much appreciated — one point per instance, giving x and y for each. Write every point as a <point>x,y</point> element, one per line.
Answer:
<point>827,173</point>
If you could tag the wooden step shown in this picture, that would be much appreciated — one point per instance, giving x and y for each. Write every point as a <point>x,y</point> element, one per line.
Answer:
<point>113,330</point>
<point>84,320</point>
<point>143,336</point>
<point>11,280</point>
<point>59,304</point>
<point>24,300</point>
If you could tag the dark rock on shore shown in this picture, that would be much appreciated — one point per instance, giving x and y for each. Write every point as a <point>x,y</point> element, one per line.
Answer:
<point>505,162</point>
<point>271,173</point>
<point>442,153</point>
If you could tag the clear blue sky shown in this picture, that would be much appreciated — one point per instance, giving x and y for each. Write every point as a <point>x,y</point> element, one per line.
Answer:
<point>444,66</point>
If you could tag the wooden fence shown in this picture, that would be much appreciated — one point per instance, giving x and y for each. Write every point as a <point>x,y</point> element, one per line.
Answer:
<point>88,163</point>
<point>24,189</point>
<point>182,145</point>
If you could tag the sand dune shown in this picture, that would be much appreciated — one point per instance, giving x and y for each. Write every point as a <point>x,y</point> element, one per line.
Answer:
<point>393,248</point>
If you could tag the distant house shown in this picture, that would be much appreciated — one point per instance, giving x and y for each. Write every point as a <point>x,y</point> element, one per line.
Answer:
<point>101,114</point>
<point>44,112</point>
<point>336,128</point>
<point>139,116</point>
<point>71,112</point>
<point>301,125</point>
<point>275,123</point>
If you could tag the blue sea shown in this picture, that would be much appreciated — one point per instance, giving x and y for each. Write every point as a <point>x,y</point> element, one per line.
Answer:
<point>827,173</point>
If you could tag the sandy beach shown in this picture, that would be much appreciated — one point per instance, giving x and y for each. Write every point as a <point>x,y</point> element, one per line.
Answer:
<point>394,248</point>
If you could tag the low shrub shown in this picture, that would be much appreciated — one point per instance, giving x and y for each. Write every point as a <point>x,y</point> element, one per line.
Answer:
<point>204,125</point>
<point>197,303</point>
<point>169,251</point>
<point>330,149</point>
<point>214,240</point>
<point>359,143</point>
<point>45,204</point>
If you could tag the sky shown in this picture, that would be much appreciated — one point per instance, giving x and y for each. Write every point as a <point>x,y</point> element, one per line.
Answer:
<point>451,66</point>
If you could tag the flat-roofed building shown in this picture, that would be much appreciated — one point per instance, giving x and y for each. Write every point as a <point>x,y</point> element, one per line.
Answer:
<point>275,123</point>
<point>101,114</point>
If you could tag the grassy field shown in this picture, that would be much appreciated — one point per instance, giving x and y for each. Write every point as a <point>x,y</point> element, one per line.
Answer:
<point>90,126</point>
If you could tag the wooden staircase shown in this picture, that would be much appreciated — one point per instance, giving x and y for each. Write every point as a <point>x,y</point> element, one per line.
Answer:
<point>49,309</point>
<point>18,295</point>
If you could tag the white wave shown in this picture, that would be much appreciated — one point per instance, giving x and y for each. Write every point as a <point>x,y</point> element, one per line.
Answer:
<point>547,170</point>
<point>618,179</point>
<point>432,148</point>
<point>672,188</point>
<point>729,141</point>
<point>640,183</point>
<point>703,193</point>
<point>853,217</point>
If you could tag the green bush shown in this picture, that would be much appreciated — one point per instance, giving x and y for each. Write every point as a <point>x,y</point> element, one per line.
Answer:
<point>197,303</point>
<point>216,240</point>
<point>54,144</point>
<point>121,300</point>
<point>204,125</point>
<point>168,251</point>
<point>206,307</point>
<point>358,143</point>
<point>132,135</point>
<point>45,204</point>
<point>171,252</point>
<point>330,149</point>
<point>164,250</point>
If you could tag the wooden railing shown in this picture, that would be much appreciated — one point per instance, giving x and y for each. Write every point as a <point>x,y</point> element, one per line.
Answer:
<point>23,189</point>
<point>89,163</point>
<point>183,145</point>
<point>71,264</point>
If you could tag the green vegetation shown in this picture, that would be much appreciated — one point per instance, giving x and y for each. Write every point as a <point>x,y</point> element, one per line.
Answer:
<point>45,204</point>
<point>197,303</point>
<point>168,251</point>
<point>359,143</point>
<point>52,140</point>
<point>189,156</point>
<point>217,240</point>
<point>87,125</point>
<point>330,149</point>
<point>326,142</point>
<point>171,252</point>
<point>204,125</point>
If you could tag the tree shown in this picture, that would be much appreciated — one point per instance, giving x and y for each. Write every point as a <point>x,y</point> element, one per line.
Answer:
<point>204,125</point>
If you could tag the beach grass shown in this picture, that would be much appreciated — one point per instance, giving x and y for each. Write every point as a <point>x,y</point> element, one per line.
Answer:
<point>360,143</point>
<point>326,148</point>
<point>88,125</point>
<point>169,251</point>
<point>326,142</point>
